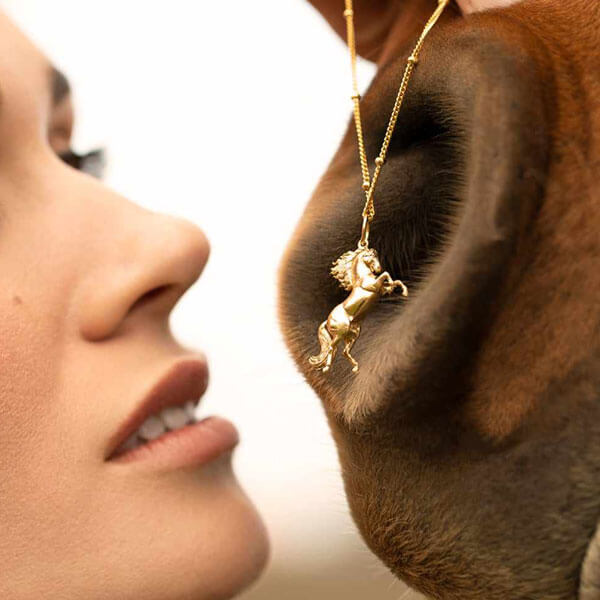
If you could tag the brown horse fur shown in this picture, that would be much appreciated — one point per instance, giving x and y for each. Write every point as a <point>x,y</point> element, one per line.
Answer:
<point>470,440</point>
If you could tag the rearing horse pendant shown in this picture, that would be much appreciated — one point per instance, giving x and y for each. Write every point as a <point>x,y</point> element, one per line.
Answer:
<point>359,272</point>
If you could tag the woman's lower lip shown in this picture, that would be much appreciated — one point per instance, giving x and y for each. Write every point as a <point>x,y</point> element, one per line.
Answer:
<point>191,446</point>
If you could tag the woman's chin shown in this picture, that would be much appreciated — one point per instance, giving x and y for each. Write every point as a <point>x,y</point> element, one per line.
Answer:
<point>244,544</point>
<point>223,552</point>
<point>190,534</point>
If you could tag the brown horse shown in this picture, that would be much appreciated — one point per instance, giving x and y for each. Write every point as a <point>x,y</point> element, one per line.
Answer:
<point>470,439</point>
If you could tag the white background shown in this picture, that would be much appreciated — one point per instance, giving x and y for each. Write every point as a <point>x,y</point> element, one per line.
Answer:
<point>226,113</point>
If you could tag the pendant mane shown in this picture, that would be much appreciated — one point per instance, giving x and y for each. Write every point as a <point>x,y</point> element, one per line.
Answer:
<point>342,268</point>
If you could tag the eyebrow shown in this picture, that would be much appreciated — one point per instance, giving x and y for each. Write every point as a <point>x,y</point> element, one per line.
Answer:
<point>60,86</point>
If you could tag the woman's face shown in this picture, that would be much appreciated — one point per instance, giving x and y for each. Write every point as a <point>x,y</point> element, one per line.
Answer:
<point>86,355</point>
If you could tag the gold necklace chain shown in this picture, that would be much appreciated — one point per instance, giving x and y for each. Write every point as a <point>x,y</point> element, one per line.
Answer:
<point>369,183</point>
<point>359,271</point>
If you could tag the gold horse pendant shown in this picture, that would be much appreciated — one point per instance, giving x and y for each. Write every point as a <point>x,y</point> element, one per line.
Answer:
<point>359,272</point>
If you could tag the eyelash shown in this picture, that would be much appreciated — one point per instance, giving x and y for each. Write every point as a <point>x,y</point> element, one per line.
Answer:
<point>92,163</point>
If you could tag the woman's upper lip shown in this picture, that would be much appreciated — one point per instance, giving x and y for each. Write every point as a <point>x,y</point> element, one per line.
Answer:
<point>185,381</point>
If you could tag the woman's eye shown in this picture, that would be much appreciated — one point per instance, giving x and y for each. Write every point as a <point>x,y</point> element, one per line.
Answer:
<point>93,163</point>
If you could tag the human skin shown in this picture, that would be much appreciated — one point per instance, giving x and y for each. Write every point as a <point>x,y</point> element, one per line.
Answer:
<point>470,6</point>
<point>89,281</point>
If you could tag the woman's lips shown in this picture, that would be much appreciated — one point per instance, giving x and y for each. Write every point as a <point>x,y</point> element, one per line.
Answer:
<point>193,445</point>
<point>161,428</point>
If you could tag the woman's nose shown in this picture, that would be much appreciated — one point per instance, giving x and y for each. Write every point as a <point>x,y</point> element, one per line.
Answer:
<point>142,273</point>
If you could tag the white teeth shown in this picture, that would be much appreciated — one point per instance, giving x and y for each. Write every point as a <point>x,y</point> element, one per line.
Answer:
<point>152,428</point>
<point>174,417</point>
<point>190,409</point>
<point>170,418</point>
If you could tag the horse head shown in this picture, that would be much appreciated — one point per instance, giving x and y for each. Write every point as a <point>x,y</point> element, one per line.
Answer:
<point>370,257</point>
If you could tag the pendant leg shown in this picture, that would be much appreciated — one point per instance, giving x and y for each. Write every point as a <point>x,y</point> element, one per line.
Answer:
<point>330,356</point>
<point>350,341</point>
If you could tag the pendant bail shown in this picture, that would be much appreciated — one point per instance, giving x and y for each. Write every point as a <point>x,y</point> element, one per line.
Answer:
<point>364,237</point>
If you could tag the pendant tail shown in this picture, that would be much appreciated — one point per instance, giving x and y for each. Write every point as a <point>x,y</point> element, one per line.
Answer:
<point>325,340</point>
